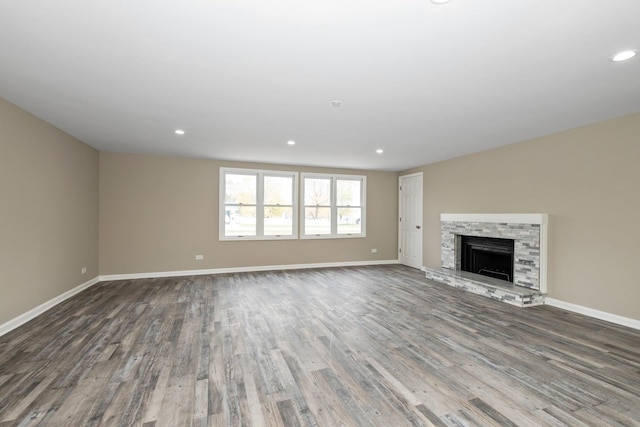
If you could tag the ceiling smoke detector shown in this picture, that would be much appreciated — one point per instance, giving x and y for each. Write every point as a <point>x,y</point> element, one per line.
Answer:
<point>336,103</point>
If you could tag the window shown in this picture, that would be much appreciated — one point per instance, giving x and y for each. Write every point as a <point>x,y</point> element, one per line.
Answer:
<point>334,206</point>
<point>258,205</point>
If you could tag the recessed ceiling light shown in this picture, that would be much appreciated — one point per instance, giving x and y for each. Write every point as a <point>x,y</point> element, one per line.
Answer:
<point>379,151</point>
<point>179,132</point>
<point>291,142</point>
<point>336,103</point>
<point>624,55</point>
<point>440,1</point>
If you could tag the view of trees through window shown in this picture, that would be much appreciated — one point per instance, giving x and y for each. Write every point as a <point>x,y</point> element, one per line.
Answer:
<point>258,204</point>
<point>240,204</point>
<point>263,204</point>
<point>278,205</point>
<point>332,205</point>
<point>317,205</point>
<point>349,206</point>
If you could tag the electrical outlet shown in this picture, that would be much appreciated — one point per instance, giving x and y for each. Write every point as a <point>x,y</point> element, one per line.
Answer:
<point>199,257</point>
<point>374,251</point>
<point>83,270</point>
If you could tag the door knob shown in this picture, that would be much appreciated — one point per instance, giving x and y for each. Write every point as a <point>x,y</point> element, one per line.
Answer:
<point>417,226</point>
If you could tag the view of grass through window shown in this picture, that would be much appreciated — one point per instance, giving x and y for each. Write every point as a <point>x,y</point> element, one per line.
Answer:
<point>258,204</point>
<point>241,200</point>
<point>332,205</point>
<point>263,204</point>
<point>278,206</point>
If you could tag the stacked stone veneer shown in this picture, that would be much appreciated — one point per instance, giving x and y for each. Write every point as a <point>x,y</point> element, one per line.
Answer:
<point>526,268</point>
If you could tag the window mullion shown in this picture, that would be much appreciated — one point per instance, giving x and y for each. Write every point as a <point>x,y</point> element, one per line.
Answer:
<point>295,207</point>
<point>334,207</point>
<point>260,205</point>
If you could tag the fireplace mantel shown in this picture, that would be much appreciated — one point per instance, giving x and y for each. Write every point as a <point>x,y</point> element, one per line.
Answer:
<point>534,218</point>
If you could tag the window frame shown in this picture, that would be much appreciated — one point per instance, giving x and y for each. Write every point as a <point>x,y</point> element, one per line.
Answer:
<point>334,178</point>
<point>260,174</point>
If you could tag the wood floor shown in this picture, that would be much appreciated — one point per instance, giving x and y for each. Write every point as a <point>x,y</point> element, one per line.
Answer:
<point>369,346</point>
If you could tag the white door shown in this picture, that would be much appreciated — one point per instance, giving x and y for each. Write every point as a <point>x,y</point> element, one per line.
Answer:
<point>410,217</point>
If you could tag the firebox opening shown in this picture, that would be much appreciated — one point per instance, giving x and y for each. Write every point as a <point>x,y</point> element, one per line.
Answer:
<point>487,256</point>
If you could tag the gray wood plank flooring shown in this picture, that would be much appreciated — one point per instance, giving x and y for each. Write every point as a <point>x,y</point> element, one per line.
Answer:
<point>361,346</point>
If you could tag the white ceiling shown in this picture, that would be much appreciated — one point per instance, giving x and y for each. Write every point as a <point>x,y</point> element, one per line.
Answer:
<point>425,82</point>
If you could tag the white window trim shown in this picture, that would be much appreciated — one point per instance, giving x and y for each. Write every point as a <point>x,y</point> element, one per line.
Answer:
<point>260,173</point>
<point>334,208</point>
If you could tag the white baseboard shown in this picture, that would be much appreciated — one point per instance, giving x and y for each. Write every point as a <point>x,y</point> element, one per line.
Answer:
<point>31,314</point>
<point>602,315</point>
<point>242,269</point>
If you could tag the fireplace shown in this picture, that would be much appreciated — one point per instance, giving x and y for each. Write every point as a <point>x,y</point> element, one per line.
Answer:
<point>507,254</point>
<point>528,232</point>
<point>488,256</point>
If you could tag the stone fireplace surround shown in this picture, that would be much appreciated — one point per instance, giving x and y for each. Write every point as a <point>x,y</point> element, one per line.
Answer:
<point>529,232</point>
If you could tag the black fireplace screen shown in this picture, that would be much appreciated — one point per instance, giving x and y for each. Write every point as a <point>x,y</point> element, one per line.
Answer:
<point>488,256</point>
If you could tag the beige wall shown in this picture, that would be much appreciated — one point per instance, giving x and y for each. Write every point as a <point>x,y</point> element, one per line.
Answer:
<point>48,212</point>
<point>157,213</point>
<point>586,179</point>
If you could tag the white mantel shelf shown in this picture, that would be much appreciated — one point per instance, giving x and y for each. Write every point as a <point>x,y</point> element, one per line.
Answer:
<point>516,218</point>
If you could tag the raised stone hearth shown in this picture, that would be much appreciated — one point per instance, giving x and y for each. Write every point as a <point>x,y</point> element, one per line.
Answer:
<point>529,233</point>
<point>486,286</point>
